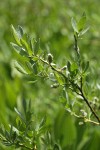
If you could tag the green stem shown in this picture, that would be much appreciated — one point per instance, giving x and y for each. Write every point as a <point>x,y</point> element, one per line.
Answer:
<point>85,119</point>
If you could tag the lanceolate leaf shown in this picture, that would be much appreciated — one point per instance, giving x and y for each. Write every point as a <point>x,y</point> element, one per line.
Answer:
<point>20,68</point>
<point>43,121</point>
<point>74,25</point>
<point>81,23</point>
<point>24,105</point>
<point>26,46</point>
<point>69,66</point>
<point>59,78</point>
<point>56,147</point>
<point>19,114</point>
<point>21,32</point>
<point>37,46</point>
<point>83,31</point>
<point>86,66</point>
<point>15,35</point>
<point>19,49</point>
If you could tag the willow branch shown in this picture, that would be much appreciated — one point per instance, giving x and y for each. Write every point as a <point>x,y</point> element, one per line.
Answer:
<point>72,82</point>
<point>88,104</point>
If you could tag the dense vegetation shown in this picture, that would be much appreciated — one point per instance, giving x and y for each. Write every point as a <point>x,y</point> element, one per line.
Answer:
<point>49,89</point>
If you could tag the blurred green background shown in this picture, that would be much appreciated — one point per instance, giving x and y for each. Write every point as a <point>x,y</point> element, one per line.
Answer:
<point>51,22</point>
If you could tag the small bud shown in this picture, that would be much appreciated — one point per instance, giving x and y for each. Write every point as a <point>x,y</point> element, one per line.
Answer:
<point>51,75</point>
<point>83,112</point>
<point>50,58</point>
<point>81,123</point>
<point>55,85</point>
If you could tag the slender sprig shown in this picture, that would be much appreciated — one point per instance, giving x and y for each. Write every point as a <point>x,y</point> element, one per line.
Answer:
<point>73,79</point>
<point>80,88</point>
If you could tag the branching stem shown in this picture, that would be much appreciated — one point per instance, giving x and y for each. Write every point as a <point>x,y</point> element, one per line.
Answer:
<point>88,104</point>
<point>85,119</point>
<point>80,88</point>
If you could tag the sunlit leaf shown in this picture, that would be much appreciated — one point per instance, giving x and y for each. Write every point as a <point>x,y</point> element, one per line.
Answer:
<point>19,49</point>
<point>74,25</point>
<point>20,30</point>
<point>19,114</point>
<point>59,78</point>
<point>81,23</point>
<point>26,46</point>
<point>15,35</point>
<point>83,31</point>
<point>19,68</point>
<point>43,121</point>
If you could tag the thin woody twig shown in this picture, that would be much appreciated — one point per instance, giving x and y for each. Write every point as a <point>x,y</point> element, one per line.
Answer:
<point>88,104</point>
<point>85,119</point>
<point>80,88</point>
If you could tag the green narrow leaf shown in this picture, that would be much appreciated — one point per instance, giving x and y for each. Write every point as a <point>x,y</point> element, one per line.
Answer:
<point>74,66</point>
<point>24,105</point>
<point>11,129</point>
<point>19,49</point>
<point>14,136</point>
<point>32,82</point>
<point>56,147</point>
<point>19,68</point>
<point>21,32</point>
<point>74,25</point>
<point>15,35</point>
<point>43,121</point>
<point>31,44</point>
<point>35,68</point>
<point>35,58</point>
<point>43,140</point>
<point>7,143</point>
<point>7,135</point>
<point>18,122</point>
<point>19,114</point>
<point>48,136</point>
<point>65,94</point>
<point>37,46</point>
<point>26,47</point>
<point>29,105</point>
<point>86,66</point>
<point>81,23</point>
<point>59,78</point>
<point>28,67</point>
<point>24,44</point>
<point>69,66</point>
<point>83,31</point>
<point>1,131</point>
<point>28,117</point>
